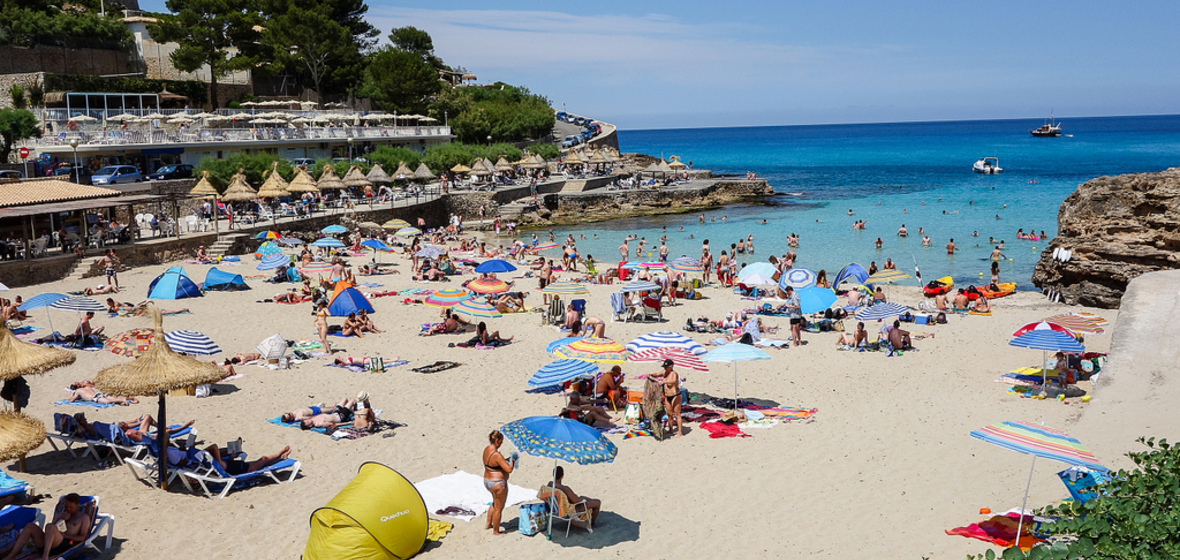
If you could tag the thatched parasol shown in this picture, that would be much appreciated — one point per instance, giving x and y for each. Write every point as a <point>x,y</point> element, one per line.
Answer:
<point>156,372</point>
<point>423,172</point>
<point>597,158</point>
<point>403,172</point>
<point>329,179</point>
<point>19,434</point>
<point>378,176</point>
<point>302,182</point>
<point>19,358</point>
<point>664,168</point>
<point>239,190</point>
<point>573,159</point>
<point>274,186</point>
<point>503,165</point>
<point>481,168</point>
<point>356,178</point>
<point>460,168</point>
<point>204,187</point>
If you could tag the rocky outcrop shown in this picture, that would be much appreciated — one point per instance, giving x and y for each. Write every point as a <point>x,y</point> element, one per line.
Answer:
<point>1111,230</point>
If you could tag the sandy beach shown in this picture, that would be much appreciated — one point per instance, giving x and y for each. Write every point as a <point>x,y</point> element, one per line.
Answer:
<point>883,469</point>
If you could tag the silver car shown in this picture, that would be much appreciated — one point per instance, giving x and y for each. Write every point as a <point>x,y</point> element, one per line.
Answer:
<point>115,174</point>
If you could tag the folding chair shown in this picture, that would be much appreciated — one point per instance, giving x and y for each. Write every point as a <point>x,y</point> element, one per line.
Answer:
<point>561,509</point>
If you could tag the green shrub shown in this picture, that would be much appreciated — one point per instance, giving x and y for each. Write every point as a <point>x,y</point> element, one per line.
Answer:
<point>389,157</point>
<point>545,150</point>
<point>17,92</point>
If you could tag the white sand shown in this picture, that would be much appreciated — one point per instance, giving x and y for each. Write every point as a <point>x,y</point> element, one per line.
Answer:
<point>885,468</point>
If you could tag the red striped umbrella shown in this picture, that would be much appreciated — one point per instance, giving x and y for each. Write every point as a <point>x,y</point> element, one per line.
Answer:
<point>1044,326</point>
<point>316,268</point>
<point>488,286</point>
<point>679,357</point>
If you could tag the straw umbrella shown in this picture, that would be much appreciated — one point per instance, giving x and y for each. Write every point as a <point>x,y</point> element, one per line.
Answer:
<point>205,189</point>
<point>19,358</point>
<point>503,165</point>
<point>329,179</point>
<point>423,173</point>
<point>378,176</point>
<point>302,182</point>
<point>156,372</point>
<point>274,186</point>
<point>239,190</point>
<point>19,434</point>
<point>460,168</point>
<point>356,178</point>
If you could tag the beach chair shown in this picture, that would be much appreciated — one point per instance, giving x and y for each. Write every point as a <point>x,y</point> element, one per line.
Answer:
<point>579,306</point>
<point>560,509</point>
<point>618,305</point>
<point>116,439</point>
<point>207,473</point>
<point>66,431</point>
<point>653,307</point>
<point>17,517</point>
<point>98,523</point>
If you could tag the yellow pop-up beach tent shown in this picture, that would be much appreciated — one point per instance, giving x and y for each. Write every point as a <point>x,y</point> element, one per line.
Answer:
<point>378,516</point>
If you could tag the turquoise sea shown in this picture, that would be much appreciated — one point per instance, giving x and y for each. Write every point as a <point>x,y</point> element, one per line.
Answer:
<point>917,174</point>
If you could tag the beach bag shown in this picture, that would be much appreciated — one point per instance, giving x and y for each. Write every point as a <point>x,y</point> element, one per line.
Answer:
<point>633,413</point>
<point>204,390</point>
<point>838,326</point>
<point>940,319</point>
<point>533,518</point>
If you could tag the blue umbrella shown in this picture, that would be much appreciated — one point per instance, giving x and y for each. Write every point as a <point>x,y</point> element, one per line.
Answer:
<point>43,300</point>
<point>79,304</point>
<point>881,311</point>
<point>735,352</point>
<point>1047,340</point>
<point>291,241</point>
<point>329,242</point>
<point>495,265</point>
<point>556,373</point>
<point>797,278</point>
<point>375,244</point>
<point>268,248</point>
<point>640,286</point>
<point>271,262</point>
<point>815,299</point>
<point>666,339</point>
<point>192,342</point>
<point>334,229</point>
<point>561,343</point>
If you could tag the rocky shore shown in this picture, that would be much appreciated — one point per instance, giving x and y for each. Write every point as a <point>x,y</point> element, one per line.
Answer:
<point>1111,230</point>
<point>565,208</point>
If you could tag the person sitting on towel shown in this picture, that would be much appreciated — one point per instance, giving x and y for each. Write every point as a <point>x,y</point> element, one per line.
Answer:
<point>899,339</point>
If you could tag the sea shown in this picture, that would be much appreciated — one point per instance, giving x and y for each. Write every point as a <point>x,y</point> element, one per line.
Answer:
<point>917,173</point>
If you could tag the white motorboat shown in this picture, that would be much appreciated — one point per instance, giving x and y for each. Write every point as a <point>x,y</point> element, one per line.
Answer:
<point>988,166</point>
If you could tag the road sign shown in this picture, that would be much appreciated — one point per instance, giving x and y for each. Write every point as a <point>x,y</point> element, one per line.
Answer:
<point>24,153</point>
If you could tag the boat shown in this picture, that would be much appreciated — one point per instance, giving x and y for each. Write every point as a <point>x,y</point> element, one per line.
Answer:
<point>988,166</point>
<point>1005,289</point>
<point>940,286</point>
<point>1051,129</point>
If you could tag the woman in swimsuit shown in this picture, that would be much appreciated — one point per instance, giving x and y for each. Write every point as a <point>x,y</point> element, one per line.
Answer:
<point>495,478</point>
<point>672,397</point>
<point>321,325</point>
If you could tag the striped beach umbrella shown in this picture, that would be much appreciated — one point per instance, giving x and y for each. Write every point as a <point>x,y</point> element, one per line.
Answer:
<point>476,308</point>
<point>598,350</point>
<point>494,266</point>
<point>562,343</point>
<point>268,235</point>
<point>1048,340</point>
<point>797,278</point>
<point>565,287</point>
<point>192,342</point>
<point>396,224</point>
<point>79,304</point>
<point>666,339</point>
<point>881,311</point>
<point>408,231</point>
<point>267,249</point>
<point>334,229</point>
<point>686,264</point>
<point>447,298</point>
<point>271,262</point>
<point>640,286</point>
<point>314,268</point>
<point>1044,326</point>
<point>679,357</point>
<point>488,286</point>
<point>329,243</point>
<point>1079,322</point>
<point>638,265</point>
<point>560,371</point>
<point>42,300</point>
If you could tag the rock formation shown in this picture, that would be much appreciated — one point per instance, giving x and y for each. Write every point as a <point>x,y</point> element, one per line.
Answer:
<point>1111,230</point>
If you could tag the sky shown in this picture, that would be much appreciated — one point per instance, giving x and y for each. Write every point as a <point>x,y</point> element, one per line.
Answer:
<point>695,64</point>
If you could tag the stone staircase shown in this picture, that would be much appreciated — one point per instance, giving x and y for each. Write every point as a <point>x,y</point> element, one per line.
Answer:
<point>574,186</point>
<point>223,244</point>
<point>83,266</point>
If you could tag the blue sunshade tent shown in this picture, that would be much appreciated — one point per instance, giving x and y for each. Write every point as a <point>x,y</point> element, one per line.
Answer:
<point>494,265</point>
<point>816,299</point>
<point>349,300</point>
<point>560,371</point>
<point>854,272</point>
<point>329,242</point>
<point>173,284</point>
<point>224,281</point>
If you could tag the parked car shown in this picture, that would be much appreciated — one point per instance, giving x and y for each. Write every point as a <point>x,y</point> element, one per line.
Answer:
<point>571,141</point>
<point>177,171</point>
<point>11,174</point>
<point>303,162</point>
<point>82,175</point>
<point>580,121</point>
<point>587,134</point>
<point>562,115</point>
<point>115,174</point>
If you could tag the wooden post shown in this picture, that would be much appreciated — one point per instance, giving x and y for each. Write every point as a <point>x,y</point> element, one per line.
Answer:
<point>16,409</point>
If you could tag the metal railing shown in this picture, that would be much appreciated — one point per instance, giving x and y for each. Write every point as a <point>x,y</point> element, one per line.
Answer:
<point>202,135</point>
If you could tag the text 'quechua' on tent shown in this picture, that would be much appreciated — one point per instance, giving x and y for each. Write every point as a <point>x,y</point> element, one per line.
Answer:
<point>378,516</point>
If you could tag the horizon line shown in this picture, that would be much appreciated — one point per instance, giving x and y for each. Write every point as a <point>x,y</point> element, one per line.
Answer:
<point>1009,119</point>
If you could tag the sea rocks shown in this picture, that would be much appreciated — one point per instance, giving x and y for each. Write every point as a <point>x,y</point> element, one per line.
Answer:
<point>1111,230</point>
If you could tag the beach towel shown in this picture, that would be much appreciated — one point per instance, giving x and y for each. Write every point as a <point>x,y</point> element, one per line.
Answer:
<point>1001,530</point>
<point>371,285</point>
<point>436,367</point>
<point>698,414</point>
<point>787,414</point>
<point>465,490</point>
<point>720,430</point>
<point>24,330</point>
<point>66,402</point>
<point>437,530</point>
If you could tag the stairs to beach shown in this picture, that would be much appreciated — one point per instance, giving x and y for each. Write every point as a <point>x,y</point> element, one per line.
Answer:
<point>223,244</point>
<point>574,186</point>
<point>82,266</point>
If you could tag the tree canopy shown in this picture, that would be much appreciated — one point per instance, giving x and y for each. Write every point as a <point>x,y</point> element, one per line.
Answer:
<point>416,42</point>
<point>323,45</point>
<point>217,33</point>
<point>16,125</point>
<point>30,22</point>
<point>397,80</point>
<point>506,113</point>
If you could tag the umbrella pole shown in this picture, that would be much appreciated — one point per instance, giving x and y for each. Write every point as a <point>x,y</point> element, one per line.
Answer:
<point>1020,524</point>
<point>162,442</point>
<point>735,391</point>
<point>1044,374</point>
<point>16,409</point>
<point>552,490</point>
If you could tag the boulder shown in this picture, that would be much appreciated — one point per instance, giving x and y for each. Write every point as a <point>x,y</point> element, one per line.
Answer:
<point>1111,230</point>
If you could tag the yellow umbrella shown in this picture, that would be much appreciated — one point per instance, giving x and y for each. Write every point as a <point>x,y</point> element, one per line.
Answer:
<point>396,224</point>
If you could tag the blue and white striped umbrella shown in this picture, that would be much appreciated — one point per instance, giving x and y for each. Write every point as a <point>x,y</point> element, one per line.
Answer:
<point>556,373</point>
<point>291,241</point>
<point>562,343</point>
<point>329,242</point>
<point>797,278</point>
<point>881,311</point>
<point>80,304</point>
<point>666,339</point>
<point>271,262</point>
<point>192,342</point>
<point>334,229</point>
<point>42,300</point>
<point>430,252</point>
<point>1049,341</point>
<point>640,286</point>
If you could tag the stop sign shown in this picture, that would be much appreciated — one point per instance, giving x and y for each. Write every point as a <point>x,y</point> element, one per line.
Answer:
<point>24,153</point>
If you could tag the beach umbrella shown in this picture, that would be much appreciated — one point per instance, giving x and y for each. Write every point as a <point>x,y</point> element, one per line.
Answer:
<point>328,242</point>
<point>460,168</point>
<point>561,343</point>
<point>329,179</point>
<point>430,252</point>
<point>302,182</point>
<point>271,262</point>
<point>1078,322</point>
<point>797,278</point>
<point>378,176</point>
<point>43,300</point>
<point>640,286</point>
<point>239,190</point>
<point>19,434</point>
<point>880,311</point>
<point>686,264</point>
<point>369,226</point>
<point>192,342</point>
<point>19,358</point>
<point>268,249</point>
<point>80,304</point>
<point>313,268</point>
<point>408,231</point>
<point>476,308</point>
<point>204,188</point>
<point>156,372</point>
<point>560,439</point>
<point>1038,441</point>
<point>734,353</point>
<point>488,286</point>
<point>560,371</point>
<point>679,358</point>
<point>493,266</point>
<point>816,299</point>
<point>396,224</point>
<point>448,297</point>
<point>268,235</point>
<point>1048,340</point>
<point>666,339</point>
<point>274,186</point>
<point>637,265</point>
<point>272,347</point>
<point>356,178</point>
<point>1044,326</point>
<point>758,274</point>
<point>130,344</point>
<point>334,230</point>
<point>543,246</point>
<point>565,287</point>
<point>423,173</point>
<point>291,241</point>
<point>591,349</point>
<point>376,245</point>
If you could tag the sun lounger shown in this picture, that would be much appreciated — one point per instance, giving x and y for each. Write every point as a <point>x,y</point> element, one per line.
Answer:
<point>114,437</point>
<point>98,523</point>
<point>208,472</point>
<point>66,431</point>
<point>560,509</point>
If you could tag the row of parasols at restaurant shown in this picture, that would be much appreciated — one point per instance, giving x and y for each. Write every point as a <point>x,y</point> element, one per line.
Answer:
<point>274,186</point>
<point>272,117</point>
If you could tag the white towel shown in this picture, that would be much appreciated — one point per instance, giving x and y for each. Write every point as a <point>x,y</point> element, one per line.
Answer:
<point>466,490</point>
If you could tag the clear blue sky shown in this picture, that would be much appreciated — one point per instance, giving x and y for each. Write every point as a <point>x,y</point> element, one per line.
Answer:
<point>694,63</point>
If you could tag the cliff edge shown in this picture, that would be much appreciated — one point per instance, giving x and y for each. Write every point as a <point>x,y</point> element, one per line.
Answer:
<point>1111,230</point>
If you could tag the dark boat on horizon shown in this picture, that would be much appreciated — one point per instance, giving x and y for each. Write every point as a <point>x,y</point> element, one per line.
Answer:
<point>1051,129</point>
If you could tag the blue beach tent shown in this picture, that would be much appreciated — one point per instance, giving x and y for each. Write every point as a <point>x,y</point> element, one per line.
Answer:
<point>348,300</point>
<point>224,281</point>
<point>173,284</point>
<point>852,271</point>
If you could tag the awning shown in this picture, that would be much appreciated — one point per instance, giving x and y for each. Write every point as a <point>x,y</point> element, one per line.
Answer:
<point>56,207</point>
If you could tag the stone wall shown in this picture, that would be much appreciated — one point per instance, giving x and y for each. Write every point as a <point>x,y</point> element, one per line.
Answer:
<point>61,60</point>
<point>15,274</point>
<point>26,79</point>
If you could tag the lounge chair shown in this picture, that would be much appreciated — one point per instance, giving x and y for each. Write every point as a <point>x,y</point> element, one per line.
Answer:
<point>98,522</point>
<point>145,466</point>
<point>560,509</point>
<point>18,517</point>
<point>653,307</point>
<point>618,305</point>
<point>207,472</point>
<point>115,438</point>
<point>66,431</point>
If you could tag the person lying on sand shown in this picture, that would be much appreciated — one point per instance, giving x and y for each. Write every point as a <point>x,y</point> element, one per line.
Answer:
<point>301,414</point>
<point>244,357</point>
<point>90,394</point>
<point>101,289</point>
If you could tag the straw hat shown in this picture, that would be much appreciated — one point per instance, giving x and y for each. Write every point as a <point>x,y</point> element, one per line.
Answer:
<point>19,358</point>
<point>156,371</point>
<point>19,434</point>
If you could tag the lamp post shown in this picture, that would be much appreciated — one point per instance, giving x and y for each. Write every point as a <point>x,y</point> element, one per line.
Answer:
<point>350,141</point>
<point>74,145</point>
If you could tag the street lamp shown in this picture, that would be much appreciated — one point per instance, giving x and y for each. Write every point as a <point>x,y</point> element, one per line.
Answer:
<point>489,140</point>
<point>74,145</point>
<point>350,150</point>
